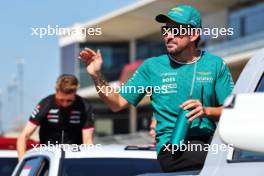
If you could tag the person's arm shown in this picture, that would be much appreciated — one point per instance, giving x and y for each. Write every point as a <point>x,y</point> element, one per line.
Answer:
<point>94,62</point>
<point>23,137</point>
<point>152,131</point>
<point>112,99</point>
<point>88,135</point>
<point>223,87</point>
<point>88,125</point>
<point>212,113</point>
<point>35,120</point>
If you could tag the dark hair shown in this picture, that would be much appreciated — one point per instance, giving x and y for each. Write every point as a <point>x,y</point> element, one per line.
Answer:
<point>67,84</point>
<point>197,41</point>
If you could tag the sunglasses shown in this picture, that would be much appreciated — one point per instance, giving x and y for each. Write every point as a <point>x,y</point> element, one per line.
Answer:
<point>175,31</point>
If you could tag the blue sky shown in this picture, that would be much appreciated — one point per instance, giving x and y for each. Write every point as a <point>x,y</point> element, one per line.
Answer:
<point>41,56</point>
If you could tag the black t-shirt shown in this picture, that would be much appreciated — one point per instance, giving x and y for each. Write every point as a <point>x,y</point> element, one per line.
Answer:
<point>62,125</point>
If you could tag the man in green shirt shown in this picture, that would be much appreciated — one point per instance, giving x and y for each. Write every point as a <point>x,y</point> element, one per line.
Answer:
<point>171,77</point>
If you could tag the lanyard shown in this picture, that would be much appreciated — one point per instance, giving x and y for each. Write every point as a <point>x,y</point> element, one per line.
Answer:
<point>194,71</point>
<point>193,80</point>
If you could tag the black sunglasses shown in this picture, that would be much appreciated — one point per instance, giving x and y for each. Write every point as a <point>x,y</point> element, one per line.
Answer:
<point>175,31</point>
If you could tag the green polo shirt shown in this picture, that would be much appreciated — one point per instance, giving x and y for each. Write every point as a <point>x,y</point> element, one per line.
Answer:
<point>169,83</point>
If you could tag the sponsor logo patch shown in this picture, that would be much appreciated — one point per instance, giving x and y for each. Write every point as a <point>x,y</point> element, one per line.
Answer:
<point>53,111</point>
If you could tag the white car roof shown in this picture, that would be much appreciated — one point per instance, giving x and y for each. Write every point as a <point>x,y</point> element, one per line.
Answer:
<point>110,151</point>
<point>8,154</point>
<point>97,151</point>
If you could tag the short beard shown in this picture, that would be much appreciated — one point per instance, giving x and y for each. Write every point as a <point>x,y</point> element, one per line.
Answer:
<point>177,52</point>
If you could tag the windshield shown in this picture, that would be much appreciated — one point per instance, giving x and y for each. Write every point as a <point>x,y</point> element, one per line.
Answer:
<point>109,166</point>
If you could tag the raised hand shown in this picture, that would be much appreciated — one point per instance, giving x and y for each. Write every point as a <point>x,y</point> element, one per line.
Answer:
<point>92,59</point>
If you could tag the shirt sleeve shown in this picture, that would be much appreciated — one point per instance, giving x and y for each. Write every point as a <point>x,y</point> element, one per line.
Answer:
<point>136,87</point>
<point>224,84</point>
<point>88,115</point>
<point>39,112</point>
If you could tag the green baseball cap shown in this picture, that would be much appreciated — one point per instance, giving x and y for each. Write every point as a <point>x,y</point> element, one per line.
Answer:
<point>183,14</point>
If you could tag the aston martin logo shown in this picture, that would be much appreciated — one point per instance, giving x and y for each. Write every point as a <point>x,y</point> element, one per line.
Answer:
<point>203,73</point>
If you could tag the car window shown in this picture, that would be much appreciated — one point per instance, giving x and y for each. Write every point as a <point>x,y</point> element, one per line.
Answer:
<point>36,166</point>
<point>260,86</point>
<point>109,166</point>
<point>242,155</point>
<point>7,166</point>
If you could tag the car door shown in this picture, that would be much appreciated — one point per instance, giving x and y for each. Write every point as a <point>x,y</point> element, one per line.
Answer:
<point>235,161</point>
<point>247,156</point>
<point>34,166</point>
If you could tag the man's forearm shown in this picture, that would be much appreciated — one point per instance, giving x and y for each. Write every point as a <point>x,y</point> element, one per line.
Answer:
<point>213,113</point>
<point>88,140</point>
<point>106,92</point>
<point>88,136</point>
<point>21,147</point>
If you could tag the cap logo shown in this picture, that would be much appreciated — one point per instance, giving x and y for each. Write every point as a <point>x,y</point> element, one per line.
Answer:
<point>177,9</point>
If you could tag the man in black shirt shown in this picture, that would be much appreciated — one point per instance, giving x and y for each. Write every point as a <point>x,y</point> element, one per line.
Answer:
<point>63,118</point>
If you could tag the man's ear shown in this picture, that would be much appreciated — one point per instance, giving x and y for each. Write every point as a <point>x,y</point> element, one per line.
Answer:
<point>194,36</point>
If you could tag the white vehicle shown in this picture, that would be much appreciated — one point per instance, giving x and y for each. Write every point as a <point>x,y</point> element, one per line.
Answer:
<point>241,125</point>
<point>91,160</point>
